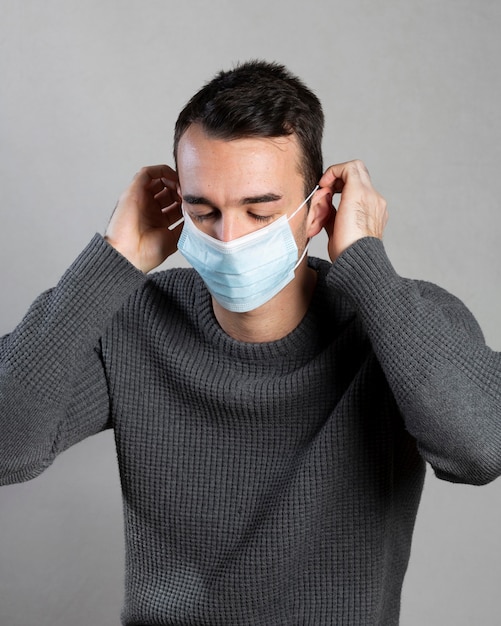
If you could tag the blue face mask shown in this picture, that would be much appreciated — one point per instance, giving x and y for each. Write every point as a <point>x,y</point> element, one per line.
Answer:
<point>246,272</point>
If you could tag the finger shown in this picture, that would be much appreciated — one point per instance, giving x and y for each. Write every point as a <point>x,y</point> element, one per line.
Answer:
<point>173,187</point>
<point>336,186</point>
<point>153,172</point>
<point>336,176</point>
<point>332,179</point>
<point>165,197</point>
<point>156,187</point>
<point>170,183</point>
<point>174,215</point>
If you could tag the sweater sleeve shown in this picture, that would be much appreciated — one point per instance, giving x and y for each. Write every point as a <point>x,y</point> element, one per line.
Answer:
<point>446,381</point>
<point>53,389</point>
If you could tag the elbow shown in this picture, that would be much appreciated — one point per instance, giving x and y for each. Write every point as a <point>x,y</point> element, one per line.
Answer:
<point>19,471</point>
<point>469,469</point>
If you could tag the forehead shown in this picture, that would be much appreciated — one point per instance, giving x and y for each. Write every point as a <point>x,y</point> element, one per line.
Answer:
<point>214,161</point>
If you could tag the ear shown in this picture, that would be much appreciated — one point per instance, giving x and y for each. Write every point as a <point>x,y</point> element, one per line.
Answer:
<point>319,212</point>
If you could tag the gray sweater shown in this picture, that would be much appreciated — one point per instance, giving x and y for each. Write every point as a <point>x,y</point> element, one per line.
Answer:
<point>263,484</point>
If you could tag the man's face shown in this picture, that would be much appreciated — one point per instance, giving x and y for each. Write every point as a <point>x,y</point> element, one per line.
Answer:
<point>231,188</point>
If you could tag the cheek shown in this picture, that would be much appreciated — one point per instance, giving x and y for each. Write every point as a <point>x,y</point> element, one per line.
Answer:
<point>301,236</point>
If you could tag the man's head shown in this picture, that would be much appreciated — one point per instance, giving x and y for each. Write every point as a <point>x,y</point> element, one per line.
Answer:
<point>259,99</point>
<point>248,152</point>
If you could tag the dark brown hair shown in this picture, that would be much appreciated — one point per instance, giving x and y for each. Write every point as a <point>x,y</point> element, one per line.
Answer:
<point>259,99</point>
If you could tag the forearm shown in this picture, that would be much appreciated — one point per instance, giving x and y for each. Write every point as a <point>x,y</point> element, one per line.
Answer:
<point>52,386</point>
<point>446,381</point>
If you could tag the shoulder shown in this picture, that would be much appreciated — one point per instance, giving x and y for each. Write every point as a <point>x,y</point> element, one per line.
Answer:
<point>166,291</point>
<point>173,279</point>
<point>179,285</point>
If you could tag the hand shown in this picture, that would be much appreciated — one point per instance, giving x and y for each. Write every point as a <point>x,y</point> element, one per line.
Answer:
<point>361,211</point>
<point>138,228</point>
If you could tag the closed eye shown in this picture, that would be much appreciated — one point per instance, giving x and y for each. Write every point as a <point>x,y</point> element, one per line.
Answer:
<point>202,217</point>
<point>261,218</point>
<point>247,201</point>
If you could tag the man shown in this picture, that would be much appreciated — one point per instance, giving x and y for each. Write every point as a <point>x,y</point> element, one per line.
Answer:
<point>272,412</point>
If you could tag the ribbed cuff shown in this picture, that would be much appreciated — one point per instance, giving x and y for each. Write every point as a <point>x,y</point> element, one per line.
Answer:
<point>363,272</point>
<point>101,277</point>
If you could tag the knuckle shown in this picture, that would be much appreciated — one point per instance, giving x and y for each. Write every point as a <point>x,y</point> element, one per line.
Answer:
<point>358,168</point>
<point>139,174</point>
<point>360,165</point>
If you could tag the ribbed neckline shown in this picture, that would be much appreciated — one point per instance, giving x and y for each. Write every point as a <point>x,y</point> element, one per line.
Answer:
<point>300,344</point>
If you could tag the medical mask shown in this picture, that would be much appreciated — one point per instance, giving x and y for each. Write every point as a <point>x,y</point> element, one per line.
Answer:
<point>246,272</point>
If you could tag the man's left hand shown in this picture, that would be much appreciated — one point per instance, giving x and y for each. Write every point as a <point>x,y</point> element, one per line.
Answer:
<point>362,210</point>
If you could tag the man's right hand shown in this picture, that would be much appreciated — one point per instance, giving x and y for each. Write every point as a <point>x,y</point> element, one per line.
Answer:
<point>139,226</point>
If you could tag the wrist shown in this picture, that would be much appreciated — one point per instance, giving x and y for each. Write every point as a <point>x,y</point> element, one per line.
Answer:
<point>126,253</point>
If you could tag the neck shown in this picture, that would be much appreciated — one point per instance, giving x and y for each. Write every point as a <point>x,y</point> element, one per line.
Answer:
<point>274,319</point>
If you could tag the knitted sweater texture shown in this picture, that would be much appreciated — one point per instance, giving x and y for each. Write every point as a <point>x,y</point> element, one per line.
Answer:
<point>263,484</point>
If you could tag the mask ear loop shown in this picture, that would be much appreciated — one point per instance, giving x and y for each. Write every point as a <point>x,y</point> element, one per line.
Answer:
<point>302,256</point>
<point>303,203</point>
<point>176,224</point>
<point>308,244</point>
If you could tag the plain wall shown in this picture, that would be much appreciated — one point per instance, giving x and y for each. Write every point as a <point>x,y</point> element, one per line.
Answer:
<point>89,93</point>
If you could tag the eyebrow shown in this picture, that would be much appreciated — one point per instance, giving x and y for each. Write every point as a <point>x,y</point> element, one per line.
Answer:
<point>262,199</point>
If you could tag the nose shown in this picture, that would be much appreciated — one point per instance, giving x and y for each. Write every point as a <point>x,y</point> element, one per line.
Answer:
<point>228,228</point>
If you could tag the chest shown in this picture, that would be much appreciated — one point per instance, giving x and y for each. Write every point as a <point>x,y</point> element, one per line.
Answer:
<point>175,391</point>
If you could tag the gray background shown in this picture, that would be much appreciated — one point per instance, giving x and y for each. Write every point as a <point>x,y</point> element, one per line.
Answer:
<point>89,93</point>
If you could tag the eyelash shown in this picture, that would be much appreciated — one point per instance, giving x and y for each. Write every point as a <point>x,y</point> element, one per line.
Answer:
<point>200,218</point>
<point>261,218</point>
<point>207,216</point>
